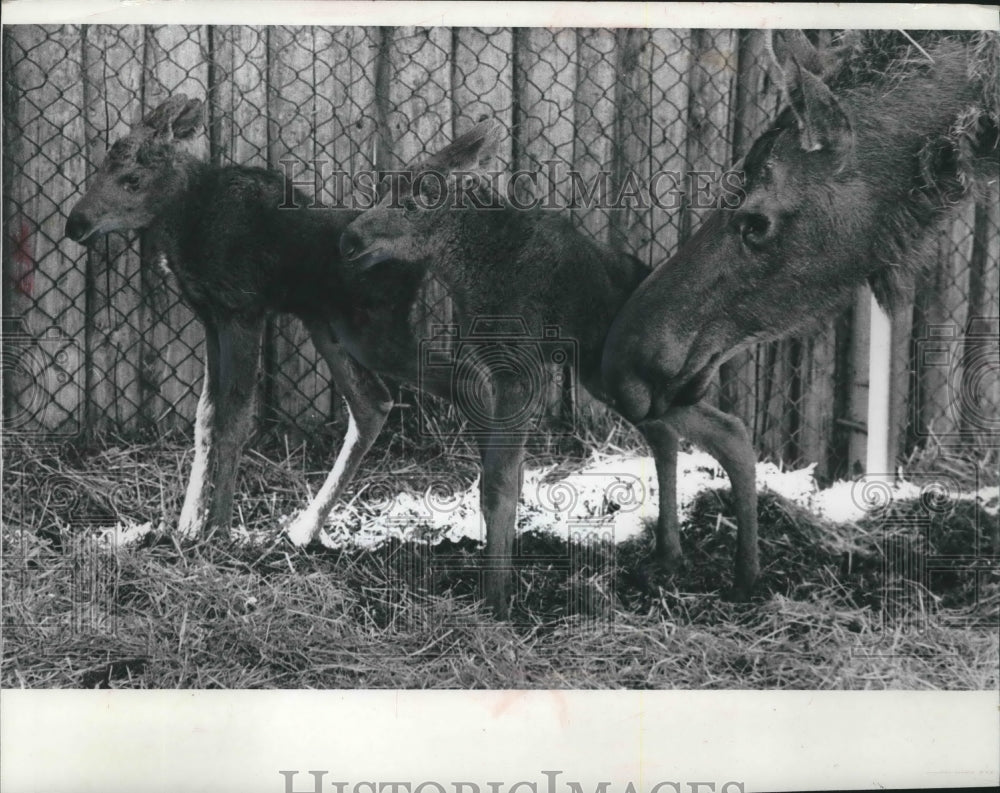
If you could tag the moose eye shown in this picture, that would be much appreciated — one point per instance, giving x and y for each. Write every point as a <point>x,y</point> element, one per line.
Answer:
<point>755,229</point>
<point>130,182</point>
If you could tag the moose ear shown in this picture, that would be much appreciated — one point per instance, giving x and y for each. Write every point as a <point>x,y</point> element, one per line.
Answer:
<point>472,151</point>
<point>822,122</point>
<point>190,120</point>
<point>792,45</point>
<point>160,118</point>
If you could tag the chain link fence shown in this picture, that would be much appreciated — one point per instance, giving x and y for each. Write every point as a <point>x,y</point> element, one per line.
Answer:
<point>97,341</point>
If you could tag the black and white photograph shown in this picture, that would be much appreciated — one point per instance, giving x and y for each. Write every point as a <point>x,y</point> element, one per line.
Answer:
<point>398,354</point>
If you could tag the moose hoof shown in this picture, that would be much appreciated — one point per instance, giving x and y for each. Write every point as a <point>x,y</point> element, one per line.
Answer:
<point>500,608</point>
<point>674,564</point>
<point>740,592</point>
<point>190,530</point>
<point>302,531</point>
<point>736,594</point>
<point>661,570</point>
<point>498,599</point>
<point>744,582</point>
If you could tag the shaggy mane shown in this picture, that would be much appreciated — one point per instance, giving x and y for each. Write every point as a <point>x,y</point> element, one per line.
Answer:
<point>950,167</point>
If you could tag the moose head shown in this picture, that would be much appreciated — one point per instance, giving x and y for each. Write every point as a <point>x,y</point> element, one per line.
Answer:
<point>140,173</point>
<point>835,193</point>
<point>413,222</point>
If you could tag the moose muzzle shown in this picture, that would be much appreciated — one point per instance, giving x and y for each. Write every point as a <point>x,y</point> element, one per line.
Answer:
<point>78,226</point>
<point>354,252</point>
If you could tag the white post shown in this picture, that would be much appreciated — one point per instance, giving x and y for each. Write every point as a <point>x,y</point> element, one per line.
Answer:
<point>877,456</point>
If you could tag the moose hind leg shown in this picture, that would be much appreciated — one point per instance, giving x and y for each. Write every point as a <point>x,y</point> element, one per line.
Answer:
<point>194,512</point>
<point>368,405</point>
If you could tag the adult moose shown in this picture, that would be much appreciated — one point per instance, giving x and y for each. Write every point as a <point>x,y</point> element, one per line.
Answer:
<point>870,155</point>
<point>499,261</point>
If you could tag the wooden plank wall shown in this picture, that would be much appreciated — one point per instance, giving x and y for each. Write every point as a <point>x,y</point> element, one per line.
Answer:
<point>611,105</point>
<point>45,294</point>
<point>176,61</point>
<point>113,57</point>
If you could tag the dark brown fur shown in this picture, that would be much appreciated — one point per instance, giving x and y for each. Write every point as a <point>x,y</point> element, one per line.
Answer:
<point>237,258</point>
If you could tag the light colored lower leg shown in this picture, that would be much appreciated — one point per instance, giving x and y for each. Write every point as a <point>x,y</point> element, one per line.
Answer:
<point>368,405</point>
<point>306,527</point>
<point>196,500</point>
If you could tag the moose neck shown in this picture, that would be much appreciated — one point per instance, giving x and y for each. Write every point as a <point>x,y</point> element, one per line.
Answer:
<point>176,233</point>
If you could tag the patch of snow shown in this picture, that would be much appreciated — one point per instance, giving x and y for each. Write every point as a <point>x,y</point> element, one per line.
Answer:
<point>849,502</point>
<point>123,535</point>
<point>611,497</point>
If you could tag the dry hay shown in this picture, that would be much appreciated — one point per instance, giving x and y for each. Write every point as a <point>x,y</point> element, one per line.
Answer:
<point>830,613</point>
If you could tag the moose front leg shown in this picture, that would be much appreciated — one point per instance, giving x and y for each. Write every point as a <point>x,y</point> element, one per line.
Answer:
<point>368,405</point>
<point>222,424</point>
<point>725,437</point>
<point>501,451</point>
<point>663,441</point>
<point>500,489</point>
